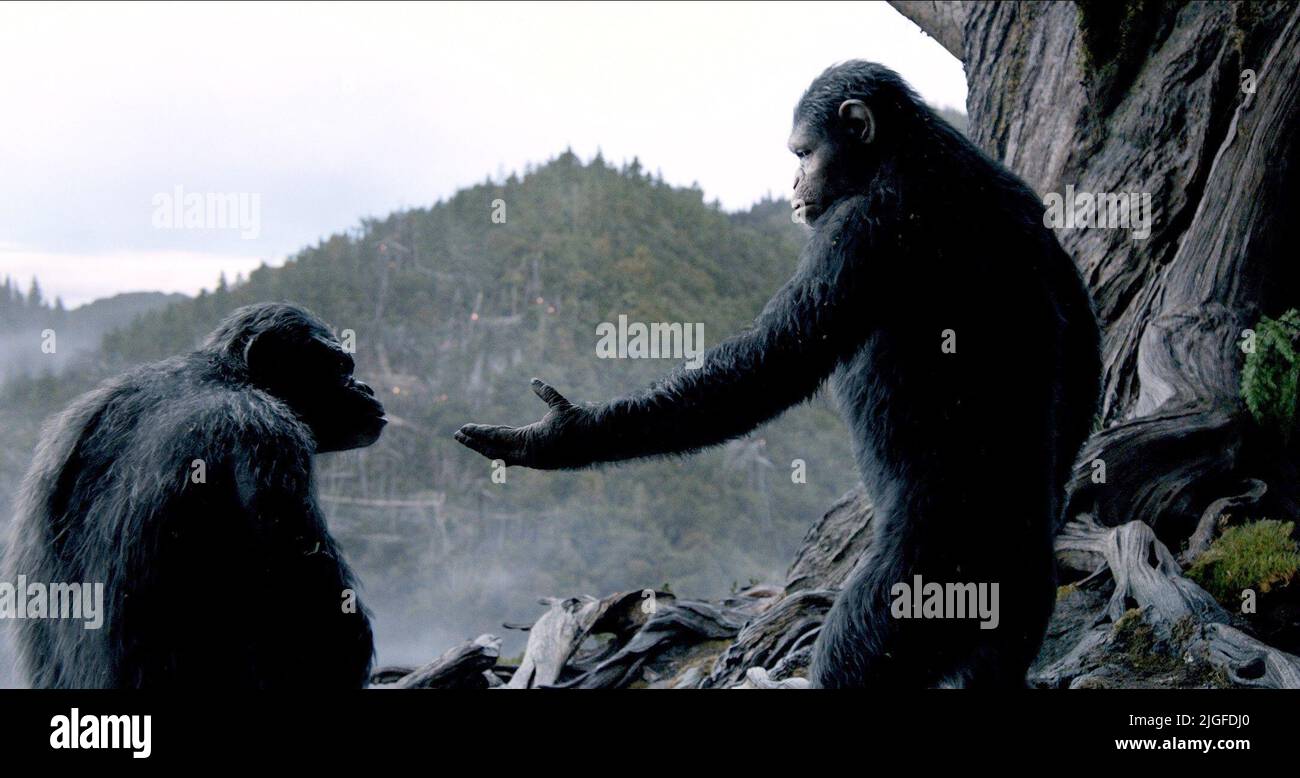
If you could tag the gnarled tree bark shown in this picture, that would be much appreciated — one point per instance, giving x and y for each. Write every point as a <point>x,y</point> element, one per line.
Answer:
<point>1152,99</point>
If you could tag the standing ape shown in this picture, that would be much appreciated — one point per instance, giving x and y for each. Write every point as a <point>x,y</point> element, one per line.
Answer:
<point>185,488</point>
<point>962,348</point>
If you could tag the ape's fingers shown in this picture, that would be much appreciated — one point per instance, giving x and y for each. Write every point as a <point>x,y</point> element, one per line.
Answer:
<point>547,392</point>
<point>491,442</point>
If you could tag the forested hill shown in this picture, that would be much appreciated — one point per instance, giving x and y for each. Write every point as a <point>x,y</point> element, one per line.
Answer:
<point>454,311</point>
<point>24,317</point>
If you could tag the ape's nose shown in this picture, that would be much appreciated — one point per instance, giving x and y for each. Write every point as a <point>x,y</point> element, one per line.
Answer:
<point>363,386</point>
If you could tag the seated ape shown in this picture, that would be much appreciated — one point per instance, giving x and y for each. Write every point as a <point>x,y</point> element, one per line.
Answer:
<point>961,345</point>
<point>185,488</point>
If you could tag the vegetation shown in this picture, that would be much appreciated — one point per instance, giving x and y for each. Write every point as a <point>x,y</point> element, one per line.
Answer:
<point>1260,555</point>
<point>1271,375</point>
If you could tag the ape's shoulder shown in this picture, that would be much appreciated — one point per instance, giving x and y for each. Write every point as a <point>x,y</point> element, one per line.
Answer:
<point>181,402</point>
<point>238,418</point>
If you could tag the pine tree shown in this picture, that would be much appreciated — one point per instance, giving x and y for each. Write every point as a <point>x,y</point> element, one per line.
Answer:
<point>34,301</point>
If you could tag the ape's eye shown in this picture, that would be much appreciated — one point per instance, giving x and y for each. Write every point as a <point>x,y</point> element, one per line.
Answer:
<point>801,153</point>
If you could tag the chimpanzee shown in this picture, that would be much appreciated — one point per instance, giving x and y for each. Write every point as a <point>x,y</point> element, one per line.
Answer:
<point>185,488</point>
<point>961,345</point>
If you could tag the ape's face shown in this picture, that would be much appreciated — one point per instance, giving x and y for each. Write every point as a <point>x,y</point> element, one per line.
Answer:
<point>831,158</point>
<point>307,369</point>
<point>813,184</point>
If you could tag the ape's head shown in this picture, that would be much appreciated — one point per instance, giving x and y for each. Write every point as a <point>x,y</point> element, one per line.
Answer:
<point>287,352</point>
<point>848,120</point>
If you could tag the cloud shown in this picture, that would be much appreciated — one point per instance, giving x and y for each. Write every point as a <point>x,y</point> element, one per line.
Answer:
<point>334,112</point>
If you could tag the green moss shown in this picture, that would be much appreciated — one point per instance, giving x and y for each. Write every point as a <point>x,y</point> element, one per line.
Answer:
<point>1271,374</point>
<point>1260,555</point>
<point>1137,641</point>
<point>1185,630</point>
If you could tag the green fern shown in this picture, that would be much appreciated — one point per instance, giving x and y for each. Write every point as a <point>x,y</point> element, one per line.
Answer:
<point>1271,376</point>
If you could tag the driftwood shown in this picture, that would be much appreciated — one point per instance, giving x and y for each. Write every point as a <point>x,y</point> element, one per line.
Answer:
<point>1186,623</point>
<point>1164,468</point>
<point>1135,621</point>
<point>1144,572</point>
<point>389,674</point>
<point>674,625</point>
<point>554,638</point>
<point>785,628</point>
<point>758,678</point>
<point>467,666</point>
<point>833,545</point>
<point>639,629</point>
<point>1203,536</point>
<point>1247,661</point>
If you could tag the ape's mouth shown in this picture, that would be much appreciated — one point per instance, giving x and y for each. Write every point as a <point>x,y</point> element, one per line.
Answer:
<point>808,210</point>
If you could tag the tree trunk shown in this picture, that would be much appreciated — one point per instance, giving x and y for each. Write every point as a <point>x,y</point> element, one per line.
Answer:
<point>1150,98</point>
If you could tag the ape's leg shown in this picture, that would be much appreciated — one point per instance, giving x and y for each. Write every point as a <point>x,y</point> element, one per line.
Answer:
<point>992,666</point>
<point>1003,658</point>
<point>863,644</point>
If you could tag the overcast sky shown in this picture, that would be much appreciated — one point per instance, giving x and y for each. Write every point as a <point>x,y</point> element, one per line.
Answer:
<point>332,112</point>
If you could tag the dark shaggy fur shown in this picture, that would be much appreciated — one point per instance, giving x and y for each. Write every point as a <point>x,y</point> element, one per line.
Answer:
<point>235,582</point>
<point>964,454</point>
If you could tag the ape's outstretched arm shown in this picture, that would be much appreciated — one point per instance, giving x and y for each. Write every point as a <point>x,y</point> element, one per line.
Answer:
<point>816,319</point>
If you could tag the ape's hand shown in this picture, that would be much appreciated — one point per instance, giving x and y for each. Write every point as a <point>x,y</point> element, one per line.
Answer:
<point>549,444</point>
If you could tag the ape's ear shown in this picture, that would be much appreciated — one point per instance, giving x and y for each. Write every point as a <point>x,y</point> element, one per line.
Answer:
<point>860,118</point>
<point>267,355</point>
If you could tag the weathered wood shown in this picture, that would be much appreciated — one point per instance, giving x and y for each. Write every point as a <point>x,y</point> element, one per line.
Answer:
<point>554,641</point>
<point>674,624</point>
<point>462,667</point>
<point>554,638</point>
<point>758,678</point>
<point>786,627</point>
<point>1247,661</point>
<point>1209,154</point>
<point>639,628</point>
<point>1186,618</point>
<point>833,545</point>
<point>945,21</point>
<point>1164,468</point>
<point>1145,573</point>
<point>1206,528</point>
<point>390,674</point>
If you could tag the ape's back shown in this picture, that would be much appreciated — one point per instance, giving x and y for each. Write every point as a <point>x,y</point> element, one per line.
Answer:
<point>189,499</point>
<point>54,653</point>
